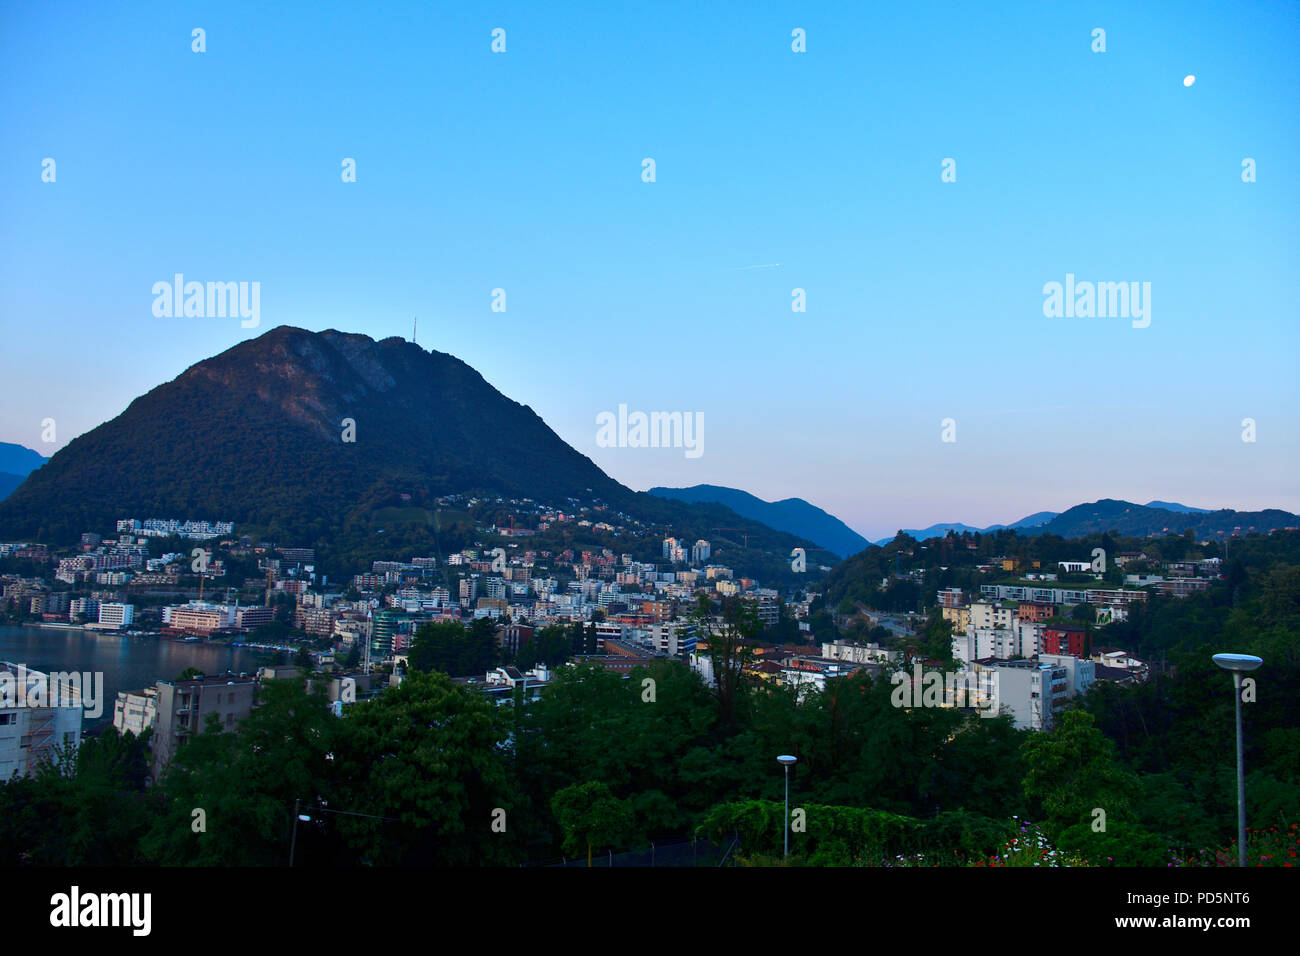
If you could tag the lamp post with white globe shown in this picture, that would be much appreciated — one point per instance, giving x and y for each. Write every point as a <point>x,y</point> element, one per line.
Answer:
<point>786,761</point>
<point>1239,664</point>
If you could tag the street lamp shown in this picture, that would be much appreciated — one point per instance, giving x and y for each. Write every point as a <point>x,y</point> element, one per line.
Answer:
<point>306,818</point>
<point>1239,664</point>
<point>293,844</point>
<point>786,761</point>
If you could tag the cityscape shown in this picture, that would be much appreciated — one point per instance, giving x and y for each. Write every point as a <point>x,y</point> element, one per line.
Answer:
<point>647,438</point>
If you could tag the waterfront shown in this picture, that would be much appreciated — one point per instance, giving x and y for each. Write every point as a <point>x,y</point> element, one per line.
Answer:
<point>127,663</point>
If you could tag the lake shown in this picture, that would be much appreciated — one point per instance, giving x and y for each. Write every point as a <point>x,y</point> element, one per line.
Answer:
<point>127,663</point>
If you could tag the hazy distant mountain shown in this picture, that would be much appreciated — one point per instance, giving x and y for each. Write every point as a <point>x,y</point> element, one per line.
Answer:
<point>940,530</point>
<point>1032,521</point>
<point>16,463</point>
<point>1128,518</point>
<point>790,514</point>
<point>19,459</point>
<point>1175,506</point>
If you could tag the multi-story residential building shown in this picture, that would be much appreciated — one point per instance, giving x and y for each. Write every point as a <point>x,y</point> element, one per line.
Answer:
<point>512,638</point>
<point>198,618</point>
<point>54,602</point>
<point>468,591</point>
<point>314,620</point>
<point>769,610</point>
<point>1065,639</point>
<point>800,670</point>
<point>31,735</point>
<point>859,653</point>
<point>501,682</point>
<point>1182,587</point>
<point>1082,673</point>
<point>1029,634</point>
<point>183,707</point>
<point>83,607</point>
<point>700,552</point>
<point>135,710</point>
<point>1033,692</point>
<point>958,617</point>
<point>986,643</point>
<point>673,639</point>
<point>1114,597</point>
<point>950,598</point>
<point>256,616</point>
<point>384,625</point>
<point>116,616</point>
<point>985,615</point>
<point>1034,611</point>
<point>1045,595</point>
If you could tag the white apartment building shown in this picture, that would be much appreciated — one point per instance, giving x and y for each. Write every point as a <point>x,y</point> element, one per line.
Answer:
<point>984,614</point>
<point>135,710</point>
<point>1033,692</point>
<point>30,734</point>
<point>116,616</point>
<point>859,653</point>
<point>1029,634</point>
<point>671,639</point>
<point>1082,673</point>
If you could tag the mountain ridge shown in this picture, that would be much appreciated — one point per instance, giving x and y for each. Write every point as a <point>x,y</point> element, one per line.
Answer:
<point>794,515</point>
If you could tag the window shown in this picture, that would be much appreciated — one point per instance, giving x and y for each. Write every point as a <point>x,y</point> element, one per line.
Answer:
<point>6,719</point>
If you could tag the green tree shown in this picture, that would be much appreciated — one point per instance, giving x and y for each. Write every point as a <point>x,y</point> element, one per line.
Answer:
<point>592,816</point>
<point>729,637</point>
<point>246,782</point>
<point>427,756</point>
<point>1073,771</point>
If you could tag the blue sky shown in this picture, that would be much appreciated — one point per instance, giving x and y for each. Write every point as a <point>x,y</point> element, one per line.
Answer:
<point>522,171</point>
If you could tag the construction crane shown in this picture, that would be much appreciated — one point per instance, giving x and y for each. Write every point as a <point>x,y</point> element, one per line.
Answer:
<point>740,531</point>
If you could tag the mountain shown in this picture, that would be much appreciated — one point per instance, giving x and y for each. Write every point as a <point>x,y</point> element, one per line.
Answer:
<point>9,482</point>
<point>256,436</point>
<point>1125,517</point>
<point>940,530</point>
<point>934,531</point>
<point>794,515</point>
<point>18,459</point>
<point>1175,506</point>
<point>1032,521</point>
<point>16,463</point>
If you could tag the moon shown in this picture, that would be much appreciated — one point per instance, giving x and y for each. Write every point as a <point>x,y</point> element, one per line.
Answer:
<point>1188,80</point>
